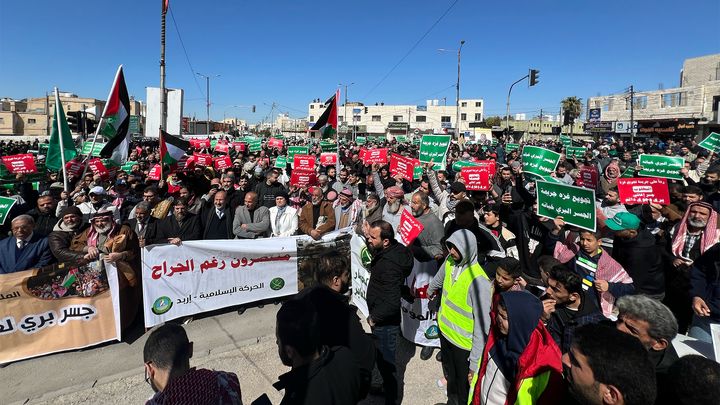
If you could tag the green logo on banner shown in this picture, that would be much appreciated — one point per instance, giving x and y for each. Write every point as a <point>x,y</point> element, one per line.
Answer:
<point>161,305</point>
<point>277,283</point>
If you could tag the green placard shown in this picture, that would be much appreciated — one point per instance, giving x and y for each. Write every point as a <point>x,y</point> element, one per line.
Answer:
<point>296,150</point>
<point>43,148</point>
<point>416,141</point>
<point>539,161</point>
<point>575,151</point>
<point>417,172</point>
<point>509,147</point>
<point>566,140</point>
<point>360,140</point>
<point>628,173</point>
<point>255,146</point>
<point>5,173</point>
<point>213,142</point>
<point>95,152</point>
<point>711,143</point>
<point>433,148</point>
<point>281,162</point>
<point>328,146</point>
<point>457,166</point>
<point>667,167</point>
<point>134,126</point>
<point>127,167</point>
<point>576,205</point>
<point>5,205</point>
<point>401,138</point>
<point>493,142</point>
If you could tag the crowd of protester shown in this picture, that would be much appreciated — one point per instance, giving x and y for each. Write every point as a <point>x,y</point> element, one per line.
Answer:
<point>529,308</point>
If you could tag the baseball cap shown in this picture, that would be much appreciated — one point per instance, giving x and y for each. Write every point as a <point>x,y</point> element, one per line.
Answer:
<point>97,190</point>
<point>622,221</point>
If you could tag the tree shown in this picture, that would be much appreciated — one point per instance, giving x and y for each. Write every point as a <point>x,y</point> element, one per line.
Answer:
<point>573,107</point>
<point>492,122</point>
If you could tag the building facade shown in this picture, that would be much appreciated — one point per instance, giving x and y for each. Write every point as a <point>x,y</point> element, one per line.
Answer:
<point>381,119</point>
<point>687,111</point>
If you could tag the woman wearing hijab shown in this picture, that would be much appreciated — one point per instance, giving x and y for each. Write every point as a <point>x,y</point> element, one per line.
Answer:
<point>521,364</point>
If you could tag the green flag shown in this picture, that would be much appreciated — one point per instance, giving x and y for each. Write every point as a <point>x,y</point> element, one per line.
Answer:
<point>54,158</point>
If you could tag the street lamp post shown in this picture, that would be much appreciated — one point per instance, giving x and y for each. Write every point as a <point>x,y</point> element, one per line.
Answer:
<point>345,118</point>
<point>207,97</point>
<point>507,112</point>
<point>457,100</point>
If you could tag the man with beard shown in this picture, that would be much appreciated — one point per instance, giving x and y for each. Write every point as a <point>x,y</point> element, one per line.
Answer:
<point>194,203</point>
<point>427,246</point>
<point>392,200</point>
<point>392,262</point>
<point>217,220</point>
<point>688,240</point>
<point>709,185</point>
<point>338,322</point>
<point>342,181</point>
<point>142,221</point>
<point>606,366</point>
<point>371,212</point>
<point>227,183</point>
<point>98,203</point>
<point>181,226</point>
<point>250,220</point>
<point>609,207</point>
<point>166,355</point>
<point>318,217</point>
<point>447,198</point>
<point>118,244</point>
<point>348,210</point>
<point>44,215</point>
<point>268,189</point>
<point>69,226</point>
<point>319,374</point>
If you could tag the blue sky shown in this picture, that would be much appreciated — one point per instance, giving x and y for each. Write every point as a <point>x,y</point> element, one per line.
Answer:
<point>290,52</point>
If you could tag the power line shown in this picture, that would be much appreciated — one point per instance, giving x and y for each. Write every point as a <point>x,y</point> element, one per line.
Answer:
<point>187,58</point>
<point>411,49</point>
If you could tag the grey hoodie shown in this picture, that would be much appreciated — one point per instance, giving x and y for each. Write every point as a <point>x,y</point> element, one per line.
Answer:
<point>479,297</point>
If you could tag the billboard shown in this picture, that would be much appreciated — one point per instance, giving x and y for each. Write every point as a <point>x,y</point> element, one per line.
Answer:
<point>174,111</point>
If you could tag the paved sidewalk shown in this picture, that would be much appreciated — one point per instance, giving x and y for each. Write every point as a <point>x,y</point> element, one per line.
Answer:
<point>113,374</point>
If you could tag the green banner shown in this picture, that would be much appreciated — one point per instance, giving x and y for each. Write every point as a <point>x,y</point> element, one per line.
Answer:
<point>95,152</point>
<point>629,173</point>
<point>328,146</point>
<point>416,141</point>
<point>127,167</point>
<point>281,162</point>
<point>401,138</point>
<point>711,143</point>
<point>539,161</point>
<point>5,205</point>
<point>417,172</point>
<point>43,148</point>
<point>255,146</point>
<point>213,142</point>
<point>509,147</point>
<point>493,142</point>
<point>296,150</point>
<point>457,166</point>
<point>566,140</point>
<point>577,152</point>
<point>576,205</point>
<point>134,124</point>
<point>667,167</point>
<point>360,140</point>
<point>433,148</point>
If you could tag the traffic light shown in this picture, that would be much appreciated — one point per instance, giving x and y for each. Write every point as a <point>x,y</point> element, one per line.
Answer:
<point>89,125</point>
<point>534,77</point>
<point>73,120</point>
<point>253,109</point>
<point>366,110</point>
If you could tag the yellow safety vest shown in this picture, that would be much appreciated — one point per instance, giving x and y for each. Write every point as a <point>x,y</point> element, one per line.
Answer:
<point>455,318</point>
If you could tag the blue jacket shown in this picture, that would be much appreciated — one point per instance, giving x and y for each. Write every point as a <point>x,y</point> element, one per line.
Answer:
<point>35,254</point>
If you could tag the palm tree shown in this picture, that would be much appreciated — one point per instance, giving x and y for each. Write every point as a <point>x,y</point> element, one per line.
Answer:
<point>573,106</point>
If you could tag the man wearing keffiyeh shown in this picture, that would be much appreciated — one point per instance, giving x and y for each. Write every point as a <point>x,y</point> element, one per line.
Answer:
<point>689,239</point>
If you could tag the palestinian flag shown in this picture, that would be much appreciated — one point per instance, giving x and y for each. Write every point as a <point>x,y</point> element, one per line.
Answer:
<point>70,278</point>
<point>55,160</point>
<point>327,123</point>
<point>172,148</point>
<point>116,117</point>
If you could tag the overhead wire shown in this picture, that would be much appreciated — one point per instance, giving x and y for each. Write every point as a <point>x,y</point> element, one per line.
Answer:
<point>187,58</point>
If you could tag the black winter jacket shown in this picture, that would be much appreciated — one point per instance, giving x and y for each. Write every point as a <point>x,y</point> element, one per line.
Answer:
<point>388,271</point>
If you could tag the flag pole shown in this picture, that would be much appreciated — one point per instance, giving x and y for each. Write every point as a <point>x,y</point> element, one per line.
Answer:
<point>160,137</point>
<point>102,117</point>
<point>337,133</point>
<point>60,137</point>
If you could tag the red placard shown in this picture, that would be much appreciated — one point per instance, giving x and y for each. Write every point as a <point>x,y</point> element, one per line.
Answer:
<point>587,177</point>
<point>409,228</point>
<point>328,159</point>
<point>154,173</point>
<point>200,143</point>
<point>24,163</point>
<point>222,163</point>
<point>74,168</point>
<point>239,146</point>
<point>98,168</point>
<point>476,177</point>
<point>203,159</point>
<point>644,190</point>
<point>490,164</point>
<point>375,155</point>
<point>275,143</point>
<point>304,162</point>
<point>222,147</point>
<point>403,166</point>
<point>303,177</point>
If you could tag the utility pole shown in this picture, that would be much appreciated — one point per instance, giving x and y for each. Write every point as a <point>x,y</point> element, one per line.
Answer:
<point>345,117</point>
<point>207,97</point>
<point>541,113</point>
<point>47,113</point>
<point>163,92</point>
<point>507,112</point>
<point>457,100</point>
<point>632,114</point>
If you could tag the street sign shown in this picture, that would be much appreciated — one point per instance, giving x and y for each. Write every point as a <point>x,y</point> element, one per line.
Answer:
<point>594,115</point>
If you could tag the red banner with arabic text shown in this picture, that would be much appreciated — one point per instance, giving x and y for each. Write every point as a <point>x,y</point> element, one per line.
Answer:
<point>16,164</point>
<point>409,228</point>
